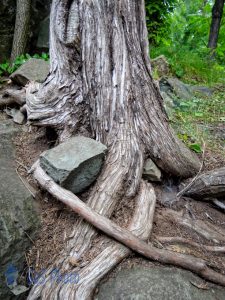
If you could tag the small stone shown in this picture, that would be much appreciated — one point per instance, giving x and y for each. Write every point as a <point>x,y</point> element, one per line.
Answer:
<point>19,117</point>
<point>32,70</point>
<point>151,171</point>
<point>74,164</point>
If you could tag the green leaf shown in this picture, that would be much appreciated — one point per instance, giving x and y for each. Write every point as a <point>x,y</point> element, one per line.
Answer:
<point>196,148</point>
<point>199,114</point>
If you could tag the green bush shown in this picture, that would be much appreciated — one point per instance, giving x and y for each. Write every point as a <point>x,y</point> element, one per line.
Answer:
<point>7,68</point>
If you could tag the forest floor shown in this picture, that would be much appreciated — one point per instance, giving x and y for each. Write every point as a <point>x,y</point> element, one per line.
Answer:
<point>57,220</point>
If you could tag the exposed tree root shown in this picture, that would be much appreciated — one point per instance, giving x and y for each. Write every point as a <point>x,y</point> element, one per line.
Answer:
<point>124,236</point>
<point>141,226</point>
<point>12,96</point>
<point>184,241</point>
<point>207,230</point>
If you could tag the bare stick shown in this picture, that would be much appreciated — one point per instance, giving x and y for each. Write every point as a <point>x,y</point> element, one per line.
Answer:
<point>124,236</point>
<point>90,275</point>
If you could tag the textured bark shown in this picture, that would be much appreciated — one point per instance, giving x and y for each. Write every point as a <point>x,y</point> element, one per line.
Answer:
<point>100,73</point>
<point>100,81</point>
<point>217,13</point>
<point>21,31</point>
<point>210,185</point>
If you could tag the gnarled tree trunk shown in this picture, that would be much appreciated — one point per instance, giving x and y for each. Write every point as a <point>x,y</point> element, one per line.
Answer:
<point>21,32</point>
<point>100,81</point>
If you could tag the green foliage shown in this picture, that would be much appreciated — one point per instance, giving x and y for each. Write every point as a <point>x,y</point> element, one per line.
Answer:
<point>184,39</point>
<point>156,18</point>
<point>198,119</point>
<point>7,68</point>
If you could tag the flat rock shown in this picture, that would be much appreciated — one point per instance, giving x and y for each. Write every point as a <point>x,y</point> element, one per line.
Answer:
<point>151,171</point>
<point>157,283</point>
<point>18,215</point>
<point>74,164</point>
<point>32,70</point>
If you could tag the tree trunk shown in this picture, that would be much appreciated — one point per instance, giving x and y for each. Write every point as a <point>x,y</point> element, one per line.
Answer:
<point>100,82</point>
<point>21,32</point>
<point>217,13</point>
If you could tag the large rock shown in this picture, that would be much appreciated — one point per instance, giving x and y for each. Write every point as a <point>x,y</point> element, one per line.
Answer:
<point>18,216</point>
<point>160,65</point>
<point>177,87</point>
<point>75,163</point>
<point>156,283</point>
<point>32,70</point>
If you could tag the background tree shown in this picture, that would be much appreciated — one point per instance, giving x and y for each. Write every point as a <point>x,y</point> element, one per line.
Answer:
<point>21,32</point>
<point>217,13</point>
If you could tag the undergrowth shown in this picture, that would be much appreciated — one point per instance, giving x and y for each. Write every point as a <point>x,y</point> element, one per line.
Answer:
<point>192,67</point>
<point>202,120</point>
<point>8,68</point>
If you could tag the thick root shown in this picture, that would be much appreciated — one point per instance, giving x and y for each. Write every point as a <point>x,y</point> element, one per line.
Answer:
<point>205,229</point>
<point>141,226</point>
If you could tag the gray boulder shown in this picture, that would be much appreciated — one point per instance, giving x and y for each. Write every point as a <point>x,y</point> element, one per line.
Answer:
<point>157,283</point>
<point>32,70</point>
<point>74,164</point>
<point>18,215</point>
<point>151,171</point>
<point>176,87</point>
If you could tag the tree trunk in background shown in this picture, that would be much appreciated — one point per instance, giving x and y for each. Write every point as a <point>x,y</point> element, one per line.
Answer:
<point>217,13</point>
<point>21,31</point>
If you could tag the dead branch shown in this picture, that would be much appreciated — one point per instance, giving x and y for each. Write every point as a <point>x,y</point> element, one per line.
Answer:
<point>184,241</point>
<point>124,236</point>
<point>90,275</point>
<point>205,229</point>
<point>208,185</point>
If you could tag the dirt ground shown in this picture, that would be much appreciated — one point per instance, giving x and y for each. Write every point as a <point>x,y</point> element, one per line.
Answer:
<point>58,221</point>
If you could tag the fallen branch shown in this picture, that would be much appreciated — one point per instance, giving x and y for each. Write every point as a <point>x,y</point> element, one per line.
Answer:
<point>90,275</point>
<point>184,241</point>
<point>206,230</point>
<point>124,236</point>
<point>208,185</point>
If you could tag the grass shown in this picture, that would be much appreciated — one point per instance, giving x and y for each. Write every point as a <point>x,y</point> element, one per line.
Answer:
<point>199,120</point>
<point>191,66</point>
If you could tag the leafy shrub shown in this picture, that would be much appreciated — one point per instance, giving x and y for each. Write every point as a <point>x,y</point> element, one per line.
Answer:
<point>7,68</point>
